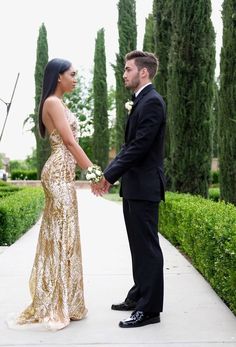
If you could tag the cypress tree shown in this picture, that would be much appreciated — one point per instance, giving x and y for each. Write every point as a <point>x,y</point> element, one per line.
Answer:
<point>215,122</point>
<point>127,42</point>
<point>190,95</point>
<point>101,133</point>
<point>42,145</point>
<point>162,41</point>
<point>227,104</point>
<point>148,40</point>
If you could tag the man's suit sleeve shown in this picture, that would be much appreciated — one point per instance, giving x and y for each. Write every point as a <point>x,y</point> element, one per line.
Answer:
<point>116,158</point>
<point>148,126</point>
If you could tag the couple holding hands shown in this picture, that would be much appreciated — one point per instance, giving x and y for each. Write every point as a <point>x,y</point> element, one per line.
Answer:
<point>56,282</point>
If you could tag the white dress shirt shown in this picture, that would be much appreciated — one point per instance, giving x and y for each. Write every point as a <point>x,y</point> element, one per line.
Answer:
<point>140,89</point>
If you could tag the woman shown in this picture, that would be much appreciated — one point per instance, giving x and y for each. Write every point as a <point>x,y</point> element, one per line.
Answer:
<point>56,282</point>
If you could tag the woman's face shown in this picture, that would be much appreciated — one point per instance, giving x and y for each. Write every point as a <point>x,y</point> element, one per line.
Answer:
<point>68,80</point>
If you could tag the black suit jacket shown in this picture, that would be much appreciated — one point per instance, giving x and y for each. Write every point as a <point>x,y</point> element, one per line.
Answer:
<point>140,161</point>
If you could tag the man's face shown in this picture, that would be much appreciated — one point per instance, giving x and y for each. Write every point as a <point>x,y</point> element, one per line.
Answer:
<point>131,75</point>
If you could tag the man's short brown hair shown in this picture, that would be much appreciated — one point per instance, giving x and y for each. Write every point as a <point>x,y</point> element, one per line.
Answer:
<point>144,59</point>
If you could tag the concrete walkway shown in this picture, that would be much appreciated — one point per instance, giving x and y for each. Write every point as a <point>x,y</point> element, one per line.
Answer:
<point>193,316</point>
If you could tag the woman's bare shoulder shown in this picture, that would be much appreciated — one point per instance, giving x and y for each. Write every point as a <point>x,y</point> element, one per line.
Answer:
<point>51,101</point>
<point>52,105</point>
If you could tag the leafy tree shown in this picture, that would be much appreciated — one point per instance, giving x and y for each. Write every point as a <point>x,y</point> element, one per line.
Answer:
<point>227,104</point>
<point>31,160</point>
<point>101,134</point>
<point>30,163</point>
<point>127,42</point>
<point>190,95</point>
<point>80,102</point>
<point>18,165</point>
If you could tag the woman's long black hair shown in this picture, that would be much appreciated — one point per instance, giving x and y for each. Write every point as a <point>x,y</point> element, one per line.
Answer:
<point>51,73</point>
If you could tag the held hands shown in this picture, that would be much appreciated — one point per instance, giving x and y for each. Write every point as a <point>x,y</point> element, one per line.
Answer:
<point>100,188</point>
<point>99,185</point>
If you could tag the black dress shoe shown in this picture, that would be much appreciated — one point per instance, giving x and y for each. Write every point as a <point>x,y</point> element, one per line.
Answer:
<point>127,305</point>
<point>139,319</point>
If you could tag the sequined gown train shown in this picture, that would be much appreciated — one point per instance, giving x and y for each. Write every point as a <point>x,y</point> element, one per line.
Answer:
<point>56,282</point>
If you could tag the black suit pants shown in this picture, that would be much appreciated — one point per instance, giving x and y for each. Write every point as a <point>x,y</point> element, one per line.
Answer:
<point>141,219</point>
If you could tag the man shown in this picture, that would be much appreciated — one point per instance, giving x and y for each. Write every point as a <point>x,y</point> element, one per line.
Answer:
<point>140,166</point>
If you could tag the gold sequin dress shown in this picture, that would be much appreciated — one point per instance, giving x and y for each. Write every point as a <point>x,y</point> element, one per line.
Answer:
<point>56,282</point>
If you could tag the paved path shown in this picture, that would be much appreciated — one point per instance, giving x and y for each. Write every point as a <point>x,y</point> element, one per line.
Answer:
<point>193,314</point>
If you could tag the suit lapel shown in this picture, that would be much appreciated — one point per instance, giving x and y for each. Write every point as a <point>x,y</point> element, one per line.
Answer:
<point>141,95</point>
<point>136,101</point>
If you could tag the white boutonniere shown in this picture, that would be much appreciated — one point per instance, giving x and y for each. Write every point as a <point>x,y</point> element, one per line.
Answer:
<point>129,105</point>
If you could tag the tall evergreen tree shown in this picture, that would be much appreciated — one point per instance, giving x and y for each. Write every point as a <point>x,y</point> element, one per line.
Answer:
<point>190,95</point>
<point>215,122</point>
<point>101,133</point>
<point>127,42</point>
<point>162,41</point>
<point>148,40</point>
<point>42,145</point>
<point>227,104</point>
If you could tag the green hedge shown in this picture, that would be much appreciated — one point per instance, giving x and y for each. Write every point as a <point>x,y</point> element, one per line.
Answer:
<point>214,177</point>
<point>214,194</point>
<point>4,184</point>
<point>206,232</point>
<point>18,212</point>
<point>24,175</point>
<point>7,189</point>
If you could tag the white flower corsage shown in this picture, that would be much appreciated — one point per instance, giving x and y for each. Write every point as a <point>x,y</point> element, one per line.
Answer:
<point>94,174</point>
<point>129,105</point>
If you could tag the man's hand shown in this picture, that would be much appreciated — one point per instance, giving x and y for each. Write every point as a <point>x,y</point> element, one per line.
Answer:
<point>106,186</point>
<point>101,187</point>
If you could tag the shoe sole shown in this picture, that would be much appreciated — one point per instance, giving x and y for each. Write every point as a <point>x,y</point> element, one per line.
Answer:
<point>122,309</point>
<point>150,321</point>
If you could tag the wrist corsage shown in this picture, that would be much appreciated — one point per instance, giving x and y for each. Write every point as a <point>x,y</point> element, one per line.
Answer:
<point>94,174</point>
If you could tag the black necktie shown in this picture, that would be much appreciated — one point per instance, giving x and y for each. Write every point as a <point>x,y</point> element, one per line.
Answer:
<point>133,97</point>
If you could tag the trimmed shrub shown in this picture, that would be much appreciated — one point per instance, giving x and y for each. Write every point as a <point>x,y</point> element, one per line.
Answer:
<point>214,194</point>
<point>206,232</point>
<point>7,189</point>
<point>18,212</point>
<point>3,194</point>
<point>215,177</point>
<point>24,175</point>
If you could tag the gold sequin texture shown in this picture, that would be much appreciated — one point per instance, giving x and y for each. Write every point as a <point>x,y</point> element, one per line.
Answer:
<point>56,281</point>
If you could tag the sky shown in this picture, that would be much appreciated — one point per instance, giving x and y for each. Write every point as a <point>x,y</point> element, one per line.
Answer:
<point>72,27</point>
